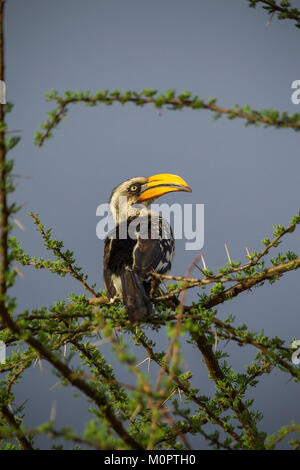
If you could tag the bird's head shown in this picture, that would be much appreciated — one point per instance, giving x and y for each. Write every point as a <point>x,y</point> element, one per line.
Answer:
<point>143,191</point>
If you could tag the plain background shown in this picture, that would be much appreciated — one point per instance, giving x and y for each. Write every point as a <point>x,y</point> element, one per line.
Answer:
<point>248,178</point>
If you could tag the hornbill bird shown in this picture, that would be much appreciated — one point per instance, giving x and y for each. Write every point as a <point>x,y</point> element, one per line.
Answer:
<point>141,242</point>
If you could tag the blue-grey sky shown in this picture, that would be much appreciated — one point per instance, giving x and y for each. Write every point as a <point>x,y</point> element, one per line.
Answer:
<point>248,178</point>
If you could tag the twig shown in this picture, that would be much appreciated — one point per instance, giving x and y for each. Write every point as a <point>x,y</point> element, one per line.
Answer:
<point>11,421</point>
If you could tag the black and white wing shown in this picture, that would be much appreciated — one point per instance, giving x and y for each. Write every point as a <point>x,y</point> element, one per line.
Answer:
<point>128,262</point>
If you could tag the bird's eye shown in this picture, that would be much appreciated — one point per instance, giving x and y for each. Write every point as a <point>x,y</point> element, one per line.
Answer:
<point>134,188</point>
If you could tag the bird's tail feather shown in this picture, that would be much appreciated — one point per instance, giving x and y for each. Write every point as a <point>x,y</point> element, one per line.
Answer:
<point>134,296</point>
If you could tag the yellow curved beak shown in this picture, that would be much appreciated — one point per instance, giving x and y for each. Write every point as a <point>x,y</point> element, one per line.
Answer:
<point>157,185</point>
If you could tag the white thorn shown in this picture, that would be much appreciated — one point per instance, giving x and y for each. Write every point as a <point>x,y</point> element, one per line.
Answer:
<point>227,252</point>
<point>53,412</point>
<point>203,262</point>
<point>19,224</point>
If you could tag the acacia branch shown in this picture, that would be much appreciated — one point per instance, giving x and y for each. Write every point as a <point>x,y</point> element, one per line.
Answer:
<point>11,421</point>
<point>284,11</point>
<point>245,284</point>
<point>263,348</point>
<point>51,432</point>
<point>211,417</point>
<point>267,117</point>
<point>270,273</point>
<point>236,403</point>
<point>72,378</point>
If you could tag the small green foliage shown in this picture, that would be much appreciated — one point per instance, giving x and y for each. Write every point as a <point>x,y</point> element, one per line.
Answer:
<point>218,288</point>
<point>283,9</point>
<point>266,117</point>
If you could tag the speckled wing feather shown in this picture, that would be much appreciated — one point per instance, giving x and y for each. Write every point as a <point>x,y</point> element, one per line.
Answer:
<point>130,254</point>
<point>154,250</point>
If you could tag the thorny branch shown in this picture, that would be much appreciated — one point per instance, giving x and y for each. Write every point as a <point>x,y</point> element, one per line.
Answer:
<point>142,416</point>
<point>170,100</point>
<point>284,10</point>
